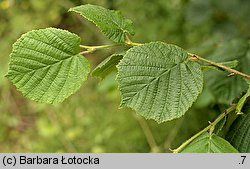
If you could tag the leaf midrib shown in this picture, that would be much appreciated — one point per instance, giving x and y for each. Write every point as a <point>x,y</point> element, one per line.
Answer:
<point>155,78</point>
<point>118,27</point>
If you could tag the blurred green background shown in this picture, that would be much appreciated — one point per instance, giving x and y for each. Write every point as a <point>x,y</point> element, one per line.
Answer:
<point>90,121</point>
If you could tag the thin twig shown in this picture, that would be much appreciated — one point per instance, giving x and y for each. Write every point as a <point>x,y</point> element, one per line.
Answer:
<point>88,51</point>
<point>194,56</point>
<point>101,46</point>
<point>130,43</point>
<point>209,127</point>
<point>91,49</point>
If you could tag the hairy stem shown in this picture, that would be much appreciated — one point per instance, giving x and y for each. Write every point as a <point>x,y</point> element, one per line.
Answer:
<point>133,43</point>
<point>209,127</point>
<point>101,46</point>
<point>219,65</point>
<point>91,49</point>
<point>130,43</point>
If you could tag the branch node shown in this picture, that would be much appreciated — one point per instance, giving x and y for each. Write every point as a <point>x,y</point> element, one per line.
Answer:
<point>231,74</point>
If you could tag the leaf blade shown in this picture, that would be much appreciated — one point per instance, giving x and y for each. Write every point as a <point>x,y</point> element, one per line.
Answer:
<point>242,101</point>
<point>146,69</point>
<point>239,132</point>
<point>207,143</point>
<point>111,23</point>
<point>46,66</point>
<point>108,65</point>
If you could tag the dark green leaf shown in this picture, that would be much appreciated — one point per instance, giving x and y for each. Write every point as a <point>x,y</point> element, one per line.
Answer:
<point>108,65</point>
<point>239,133</point>
<point>227,88</point>
<point>242,101</point>
<point>111,23</point>
<point>223,126</point>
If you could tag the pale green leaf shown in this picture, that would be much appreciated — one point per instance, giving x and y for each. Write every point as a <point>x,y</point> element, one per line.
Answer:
<point>227,88</point>
<point>108,65</point>
<point>207,143</point>
<point>159,81</point>
<point>230,64</point>
<point>242,101</point>
<point>45,65</point>
<point>110,22</point>
<point>239,133</point>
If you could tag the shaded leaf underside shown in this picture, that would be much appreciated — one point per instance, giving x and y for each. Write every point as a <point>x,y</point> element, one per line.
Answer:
<point>159,81</point>
<point>224,88</point>
<point>110,22</point>
<point>239,133</point>
<point>108,65</point>
<point>207,143</point>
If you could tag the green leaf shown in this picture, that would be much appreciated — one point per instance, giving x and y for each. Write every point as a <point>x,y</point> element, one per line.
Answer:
<point>108,65</point>
<point>230,64</point>
<point>207,143</point>
<point>224,88</point>
<point>110,22</point>
<point>242,101</point>
<point>159,81</point>
<point>239,132</point>
<point>223,126</point>
<point>45,65</point>
<point>220,126</point>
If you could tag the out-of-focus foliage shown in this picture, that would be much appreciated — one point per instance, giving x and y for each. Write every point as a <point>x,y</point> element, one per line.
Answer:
<point>225,88</point>
<point>89,121</point>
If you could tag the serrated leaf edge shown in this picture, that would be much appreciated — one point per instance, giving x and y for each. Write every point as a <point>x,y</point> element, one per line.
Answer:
<point>148,118</point>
